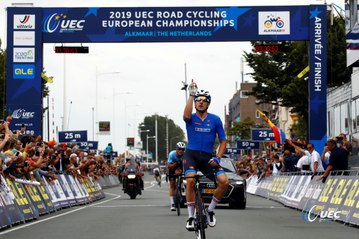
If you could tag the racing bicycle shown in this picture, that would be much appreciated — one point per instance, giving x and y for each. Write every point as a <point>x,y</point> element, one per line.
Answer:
<point>200,222</point>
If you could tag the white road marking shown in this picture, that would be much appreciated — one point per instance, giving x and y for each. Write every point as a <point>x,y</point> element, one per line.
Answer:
<point>56,216</point>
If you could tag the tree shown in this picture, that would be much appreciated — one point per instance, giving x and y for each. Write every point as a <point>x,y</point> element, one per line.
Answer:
<point>242,129</point>
<point>174,132</point>
<point>276,72</point>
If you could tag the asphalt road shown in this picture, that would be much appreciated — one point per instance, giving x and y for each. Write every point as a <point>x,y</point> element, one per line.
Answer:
<point>148,216</point>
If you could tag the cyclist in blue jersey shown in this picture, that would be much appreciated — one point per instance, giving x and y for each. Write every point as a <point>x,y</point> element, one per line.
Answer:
<point>202,130</point>
<point>174,166</point>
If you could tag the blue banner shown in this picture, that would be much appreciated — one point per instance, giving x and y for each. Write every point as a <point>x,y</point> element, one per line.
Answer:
<point>90,145</point>
<point>24,67</point>
<point>232,151</point>
<point>262,134</point>
<point>73,136</point>
<point>245,144</point>
<point>318,76</point>
<point>175,24</point>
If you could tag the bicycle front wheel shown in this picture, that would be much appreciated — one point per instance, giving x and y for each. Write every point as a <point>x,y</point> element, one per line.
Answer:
<point>200,218</point>
<point>178,199</point>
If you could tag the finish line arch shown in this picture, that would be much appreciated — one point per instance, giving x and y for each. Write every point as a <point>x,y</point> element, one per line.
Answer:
<point>29,28</point>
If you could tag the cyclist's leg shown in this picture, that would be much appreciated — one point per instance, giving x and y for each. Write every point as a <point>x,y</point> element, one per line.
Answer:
<point>222,185</point>
<point>172,180</point>
<point>190,170</point>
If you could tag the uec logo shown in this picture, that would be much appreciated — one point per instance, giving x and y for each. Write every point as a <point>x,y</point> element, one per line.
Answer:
<point>313,214</point>
<point>59,21</point>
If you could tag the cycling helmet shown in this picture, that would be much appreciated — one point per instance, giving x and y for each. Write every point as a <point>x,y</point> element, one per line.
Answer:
<point>180,145</point>
<point>203,93</point>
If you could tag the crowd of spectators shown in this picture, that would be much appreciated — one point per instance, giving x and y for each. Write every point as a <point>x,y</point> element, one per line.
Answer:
<point>298,157</point>
<point>29,157</point>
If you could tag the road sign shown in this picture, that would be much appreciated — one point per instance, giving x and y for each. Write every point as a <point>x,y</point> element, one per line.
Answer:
<point>243,144</point>
<point>232,151</point>
<point>90,145</point>
<point>73,136</point>
<point>262,135</point>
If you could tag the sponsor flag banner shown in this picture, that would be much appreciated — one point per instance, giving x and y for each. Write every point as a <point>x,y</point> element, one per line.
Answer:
<point>279,135</point>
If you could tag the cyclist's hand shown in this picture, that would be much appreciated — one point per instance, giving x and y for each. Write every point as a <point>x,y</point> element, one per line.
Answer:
<point>214,162</point>
<point>192,88</point>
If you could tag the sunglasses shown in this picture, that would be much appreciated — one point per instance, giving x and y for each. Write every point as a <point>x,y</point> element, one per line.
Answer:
<point>180,149</point>
<point>199,98</point>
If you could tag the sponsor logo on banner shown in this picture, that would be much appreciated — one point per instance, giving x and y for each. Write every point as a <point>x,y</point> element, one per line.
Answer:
<point>24,71</point>
<point>274,23</point>
<point>59,22</point>
<point>24,21</point>
<point>24,38</point>
<point>316,212</point>
<point>24,54</point>
<point>22,114</point>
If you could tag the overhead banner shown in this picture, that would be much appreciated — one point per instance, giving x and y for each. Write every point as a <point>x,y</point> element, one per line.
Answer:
<point>29,28</point>
<point>175,24</point>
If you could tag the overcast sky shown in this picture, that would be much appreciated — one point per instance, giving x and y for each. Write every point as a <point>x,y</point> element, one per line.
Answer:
<point>149,75</point>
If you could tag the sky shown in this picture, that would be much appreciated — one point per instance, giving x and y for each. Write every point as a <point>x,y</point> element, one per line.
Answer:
<point>135,80</point>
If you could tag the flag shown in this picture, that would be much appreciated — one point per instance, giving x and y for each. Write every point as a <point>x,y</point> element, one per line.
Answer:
<point>279,135</point>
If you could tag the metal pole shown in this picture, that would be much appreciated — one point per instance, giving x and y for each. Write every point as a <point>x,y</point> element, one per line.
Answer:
<point>96,102</point>
<point>93,123</point>
<point>185,79</point>
<point>156,135</point>
<point>64,109</point>
<point>147,149</point>
<point>166,136</point>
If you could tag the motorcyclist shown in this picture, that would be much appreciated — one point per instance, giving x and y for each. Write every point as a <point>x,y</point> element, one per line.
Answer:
<point>132,166</point>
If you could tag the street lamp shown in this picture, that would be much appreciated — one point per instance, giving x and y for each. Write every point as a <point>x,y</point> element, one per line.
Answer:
<point>144,131</point>
<point>97,76</point>
<point>114,94</point>
<point>148,137</point>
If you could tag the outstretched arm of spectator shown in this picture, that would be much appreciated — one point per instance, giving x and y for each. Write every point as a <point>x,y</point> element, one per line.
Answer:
<point>2,144</point>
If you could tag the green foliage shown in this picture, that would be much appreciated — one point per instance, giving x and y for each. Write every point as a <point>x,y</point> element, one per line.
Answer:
<point>241,129</point>
<point>300,129</point>
<point>175,134</point>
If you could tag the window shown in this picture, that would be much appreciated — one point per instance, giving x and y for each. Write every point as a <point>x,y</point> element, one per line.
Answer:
<point>257,115</point>
<point>244,94</point>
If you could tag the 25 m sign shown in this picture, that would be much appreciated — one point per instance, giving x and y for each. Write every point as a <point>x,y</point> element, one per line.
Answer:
<point>73,136</point>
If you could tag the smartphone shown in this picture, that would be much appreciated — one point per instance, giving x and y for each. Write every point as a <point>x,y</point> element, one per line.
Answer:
<point>17,153</point>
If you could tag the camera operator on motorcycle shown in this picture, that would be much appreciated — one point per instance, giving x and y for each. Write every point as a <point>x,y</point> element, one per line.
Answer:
<point>132,166</point>
<point>174,166</point>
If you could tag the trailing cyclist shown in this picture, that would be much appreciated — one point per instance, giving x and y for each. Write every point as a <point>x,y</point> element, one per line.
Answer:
<point>174,166</point>
<point>157,173</point>
<point>202,130</point>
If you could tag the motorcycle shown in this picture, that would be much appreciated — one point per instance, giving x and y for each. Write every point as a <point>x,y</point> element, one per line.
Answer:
<point>131,183</point>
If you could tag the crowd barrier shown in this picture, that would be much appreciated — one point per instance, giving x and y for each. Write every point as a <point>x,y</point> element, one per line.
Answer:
<point>336,199</point>
<point>22,200</point>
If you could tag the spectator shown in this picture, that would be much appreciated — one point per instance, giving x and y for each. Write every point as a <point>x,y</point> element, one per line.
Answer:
<point>338,159</point>
<point>290,161</point>
<point>303,164</point>
<point>325,156</point>
<point>277,165</point>
<point>313,157</point>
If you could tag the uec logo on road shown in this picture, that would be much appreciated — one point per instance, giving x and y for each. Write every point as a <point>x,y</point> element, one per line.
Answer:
<point>325,215</point>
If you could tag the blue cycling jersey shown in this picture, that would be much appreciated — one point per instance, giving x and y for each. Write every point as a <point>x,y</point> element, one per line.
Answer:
<point>202,134</point>
<point>173,158</point>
